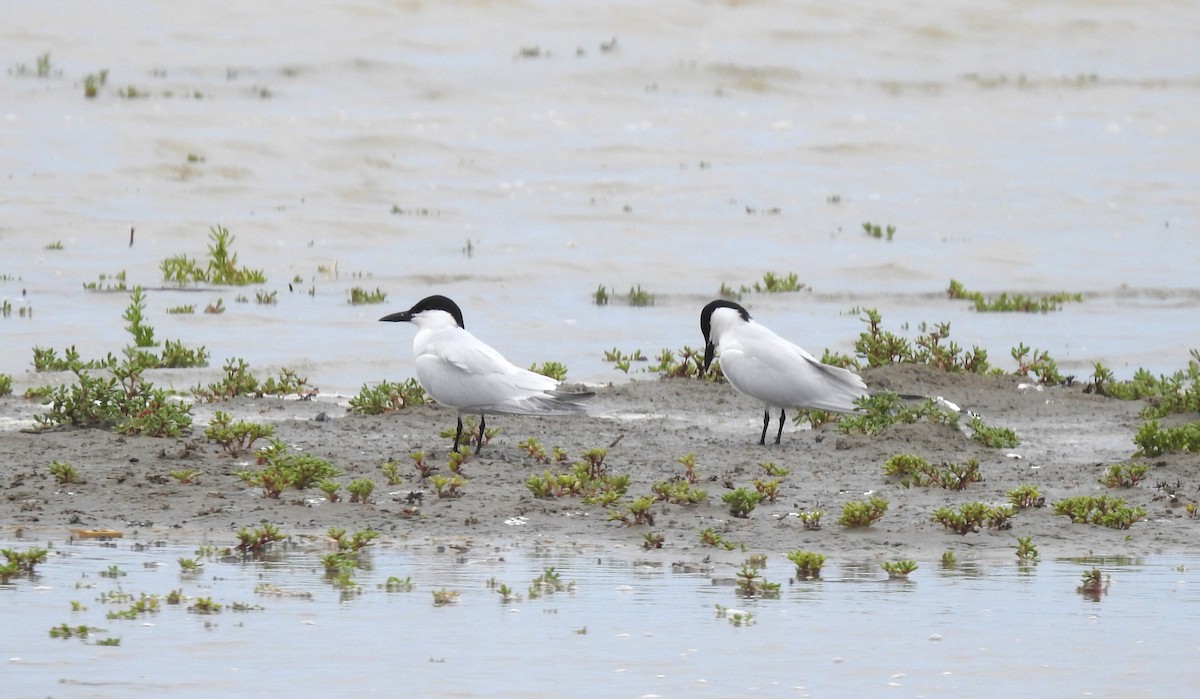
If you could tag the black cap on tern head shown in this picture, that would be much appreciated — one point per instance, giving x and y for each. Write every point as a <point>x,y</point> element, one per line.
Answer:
<point>436,302</point>
<point>706,325</point>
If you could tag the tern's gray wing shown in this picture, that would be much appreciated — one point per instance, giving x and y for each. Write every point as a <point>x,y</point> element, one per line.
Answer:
<point>761,364</point>
<point>460,371</point>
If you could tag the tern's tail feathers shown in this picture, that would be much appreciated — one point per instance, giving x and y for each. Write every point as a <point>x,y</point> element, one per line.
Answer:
<point>570,396</point>
<point>552,402</point>
<point>842,389</point>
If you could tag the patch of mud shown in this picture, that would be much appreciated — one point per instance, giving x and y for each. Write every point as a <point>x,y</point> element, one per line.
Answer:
<point>1067,438</point>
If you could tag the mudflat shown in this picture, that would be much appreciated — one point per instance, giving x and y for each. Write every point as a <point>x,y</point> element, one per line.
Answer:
<point>1068,438</point>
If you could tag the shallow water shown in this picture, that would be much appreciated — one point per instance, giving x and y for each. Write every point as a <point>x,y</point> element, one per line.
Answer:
<point>1019,147</point>
<point>628,628</point>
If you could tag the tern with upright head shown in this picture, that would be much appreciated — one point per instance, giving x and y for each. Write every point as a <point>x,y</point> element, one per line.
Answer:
<point>461,372</point>
<point>765,366</point>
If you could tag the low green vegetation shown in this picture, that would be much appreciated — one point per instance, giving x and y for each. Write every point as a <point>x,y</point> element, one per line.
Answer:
<point>879,347</point>
<point>1101,510</point>
<point>143,334</point>
<point>63,473</point>
<point>6,309</point>
<point>113,571</point>
<point>534,449</point>
<point>124,402</point>
<point>92,82</point>
<point>387,397</point>
<point>1124,475</point>
<point>770,283</point>
<point>992,437</point>
<point>973,516</point>
<point>1026,551</point>
<point>588,479</point>
<point>862,513</point>
<point>282,469</point>
<point>679,490</point>
<point>106,282</point>
<point>752,584</point>
<point>391,472</point>
<point>916,471</point>
<point>622,361</point>
<point>638,512</point>
<point>1152,439</point>
<point>221,267</point>
<point>741,501</point>
<point>204,605</point>
<point>1009,303</point>
<point>808,563</point>
<point>66,631</point>
<point>239,381</point>
<point>1038,363</point>
<point>472,435</point>
<point>360,296</point>
<point>444,597</point>
<point>728,292</point>
<point>932,347</point>
<point>1093,584</point>
<point>21,562</point>
<point>876,231</point>
<point>767,488</point>
<point>1025,496</point>
<point>709,537</point>
<point>173,355</point>
<point>256,542</point>
<point>1164,395</point>
<point>685,363</point>
<point>898,569</point>
<point>554,370</point>
<point>44,69</point>
<point>185,476</point>
<point>884,409</point>
<point>397,584</point>
<point>735,617</point>
<point>349,555</point>
<point>811,520</point>
<point>638,296</point>
<point>547,583</point>
<point>448,486</point>
<point>329,488</point>
<point>235,437</point>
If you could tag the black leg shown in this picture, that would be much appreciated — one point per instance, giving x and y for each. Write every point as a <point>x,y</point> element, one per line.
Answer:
<point>482,427</point>
<point>780,432</point>
<point>766,424</point>
<point>458,434</point>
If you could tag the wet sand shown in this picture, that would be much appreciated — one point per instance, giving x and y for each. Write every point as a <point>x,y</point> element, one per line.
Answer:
<point>1068,438</point>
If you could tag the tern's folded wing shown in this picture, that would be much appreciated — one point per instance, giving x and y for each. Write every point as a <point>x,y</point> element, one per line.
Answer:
<point>782,374</point>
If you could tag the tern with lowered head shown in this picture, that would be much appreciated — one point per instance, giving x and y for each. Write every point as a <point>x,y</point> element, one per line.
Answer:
<point>765,366</point>
<point>459,371</point>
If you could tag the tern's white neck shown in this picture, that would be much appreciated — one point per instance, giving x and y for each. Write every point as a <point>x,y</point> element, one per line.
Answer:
<point>724,320</point>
